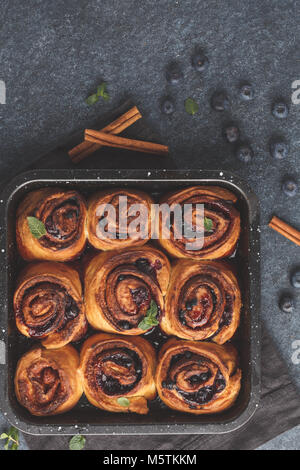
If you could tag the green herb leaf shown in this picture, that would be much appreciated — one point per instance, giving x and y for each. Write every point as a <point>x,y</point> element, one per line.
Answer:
<point>77,442</point>
<point>150,319</point>
<point>12,437</point>
<point>101,91</point>
<point>208,224</point>
<point>36,227</point>
<point>191,106</point>
<point>92,99</point>
<point>123,401</point>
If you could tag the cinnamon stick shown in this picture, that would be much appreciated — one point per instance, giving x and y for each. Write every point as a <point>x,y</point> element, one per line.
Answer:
<point>285,229</point>
<point>85,148</point>
<point>109,140</point>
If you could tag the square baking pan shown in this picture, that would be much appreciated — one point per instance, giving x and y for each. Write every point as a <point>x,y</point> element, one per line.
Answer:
<point>85,418</point>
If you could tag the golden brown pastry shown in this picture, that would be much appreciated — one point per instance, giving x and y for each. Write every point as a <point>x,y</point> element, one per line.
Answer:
<point>118,372</point>
<point>197,377</point>
<point>137,237</point>
<point>48,304</point>
<point>63,214</point>
<point>48,382</point>
<point>121,285</point>
<point>220,240</point>
<point>203,301</point>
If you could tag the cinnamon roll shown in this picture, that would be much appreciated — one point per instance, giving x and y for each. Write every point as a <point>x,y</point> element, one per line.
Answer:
<point>197,377</point>
<point>48,382</point>
<point>118,373</point>
<point>203,301</point>
<point>135,228</point>
<point>122,285</point>
<point>48,304</point>
<point>220,238</point>
<point>63,214</point>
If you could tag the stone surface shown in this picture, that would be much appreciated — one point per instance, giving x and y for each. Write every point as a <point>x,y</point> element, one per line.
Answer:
<point>54,54</point>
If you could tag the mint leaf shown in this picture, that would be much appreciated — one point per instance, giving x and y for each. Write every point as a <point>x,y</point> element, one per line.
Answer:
<point>36,227</point>
<point>208,224</point>
<point>92,99</point>
<point>101,91</point>
<point>191,106</point>
<point>123,401</point>
<point>12,437</point>
<point>150,319</point>
<point>77,442</point>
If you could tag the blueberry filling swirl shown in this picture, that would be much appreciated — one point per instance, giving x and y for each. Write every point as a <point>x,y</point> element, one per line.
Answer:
<point>115,371</point>
<point>46,307</point>
<point>204,300</point>
<point>129,289</point>
<point>63,220</point>
<point>221,214</point>
<point>195,378</point>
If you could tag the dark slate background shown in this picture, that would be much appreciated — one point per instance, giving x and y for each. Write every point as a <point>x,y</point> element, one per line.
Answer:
<point>54,54</point>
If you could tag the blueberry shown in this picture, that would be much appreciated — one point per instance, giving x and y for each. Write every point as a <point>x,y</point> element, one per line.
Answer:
<point>280,110</point>
<point>246,92</point>
<point>286,303</point>
<point>124,325</point>
<point>195,379</point>
<point>199,61</point>
<point>220,384</point>
<point>232,133</point>
<point>244,153</point>
<point>220,101</point>
<point>167,106</point>
<point>174,73</point>
<point>289,187</point>
<point>204,394</point>
<point>279,149</point>
<point>295,279</point>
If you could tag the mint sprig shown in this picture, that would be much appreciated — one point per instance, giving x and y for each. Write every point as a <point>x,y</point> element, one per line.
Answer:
<point>150,319</point>
<point>77,442</point>
<point>36,227</point>
<point>101,91</point>
<point>191,106</point>
<point>12,439</point>
<point>208,224</point>
<point>123,401</point>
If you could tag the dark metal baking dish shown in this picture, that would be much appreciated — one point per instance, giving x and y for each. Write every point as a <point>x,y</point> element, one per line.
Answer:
<point>84,418</point>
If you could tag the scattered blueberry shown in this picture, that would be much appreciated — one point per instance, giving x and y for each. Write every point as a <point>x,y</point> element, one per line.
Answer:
<point>279,149</point>
<point>244,153</point>
<point>246,92</point>
<point>286,303</point>
<point>199,61</point>
<point>167,106</point>
<point>295,279</point>
<point>220,101</point>
<point>232,133</point>
<point>289,187</point>
<point>174,73</point>
<point>280,110</point>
